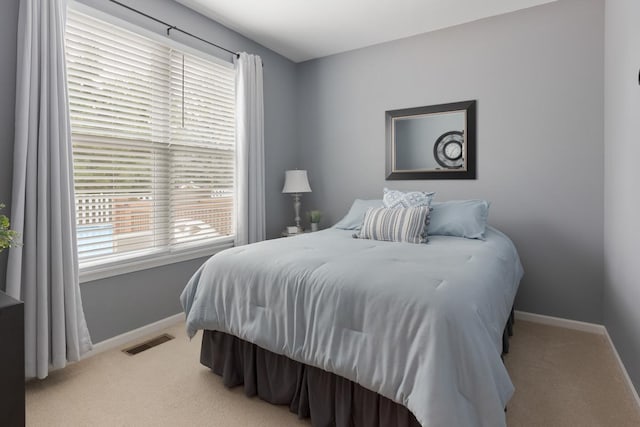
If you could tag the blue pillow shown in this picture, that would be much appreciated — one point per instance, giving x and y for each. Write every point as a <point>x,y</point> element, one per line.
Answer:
<point>460,218</point>
<point>354,218</point>
<point>406,199</point>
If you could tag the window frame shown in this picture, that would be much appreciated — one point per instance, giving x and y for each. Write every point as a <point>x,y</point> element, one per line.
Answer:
<point>91,270</point>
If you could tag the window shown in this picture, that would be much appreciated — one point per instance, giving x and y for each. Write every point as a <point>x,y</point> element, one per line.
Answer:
<point>153,132</point>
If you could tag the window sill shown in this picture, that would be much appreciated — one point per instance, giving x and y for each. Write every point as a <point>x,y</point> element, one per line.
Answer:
<point>151,260</point>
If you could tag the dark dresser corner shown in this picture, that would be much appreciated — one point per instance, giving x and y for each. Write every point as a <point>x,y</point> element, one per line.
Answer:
<point>11,361</point>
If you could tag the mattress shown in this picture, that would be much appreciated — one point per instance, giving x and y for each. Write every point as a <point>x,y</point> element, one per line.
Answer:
<point>420,324</point>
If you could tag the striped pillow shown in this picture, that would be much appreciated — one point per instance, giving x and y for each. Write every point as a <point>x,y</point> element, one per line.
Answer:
<point>395,224</point>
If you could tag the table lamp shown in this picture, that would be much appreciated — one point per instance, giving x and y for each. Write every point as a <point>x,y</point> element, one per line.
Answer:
<point>295,183</point>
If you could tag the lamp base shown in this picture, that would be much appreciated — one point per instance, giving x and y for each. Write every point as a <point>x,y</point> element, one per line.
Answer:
<point>296,209</point>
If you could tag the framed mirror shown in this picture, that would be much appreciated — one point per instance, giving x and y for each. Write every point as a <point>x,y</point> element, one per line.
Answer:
<point>432,142</point>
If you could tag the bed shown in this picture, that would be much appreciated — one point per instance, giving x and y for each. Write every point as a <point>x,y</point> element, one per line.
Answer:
<point>412,333</point>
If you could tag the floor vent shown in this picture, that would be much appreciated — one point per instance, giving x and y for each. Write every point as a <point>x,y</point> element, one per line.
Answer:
<point>139,348</point>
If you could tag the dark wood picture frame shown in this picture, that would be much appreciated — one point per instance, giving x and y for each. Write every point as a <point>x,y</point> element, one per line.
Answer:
<point>469,171</point>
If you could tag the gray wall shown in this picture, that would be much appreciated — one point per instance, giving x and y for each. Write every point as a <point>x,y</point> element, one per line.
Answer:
<point>622,205</point>
<point>122,303</point>
<point>8,41</point>
<point>538,77</point>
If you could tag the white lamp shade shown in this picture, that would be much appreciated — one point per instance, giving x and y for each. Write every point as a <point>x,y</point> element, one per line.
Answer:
<point>296,181</point>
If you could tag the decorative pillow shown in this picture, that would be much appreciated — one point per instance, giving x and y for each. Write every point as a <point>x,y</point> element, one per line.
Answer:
<point>353,219</point>
<point>461,218</point>
<point>406,199</point>
<point>395,224</point>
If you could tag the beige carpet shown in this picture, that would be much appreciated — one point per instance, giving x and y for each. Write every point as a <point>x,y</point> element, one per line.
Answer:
<point>562,377</point>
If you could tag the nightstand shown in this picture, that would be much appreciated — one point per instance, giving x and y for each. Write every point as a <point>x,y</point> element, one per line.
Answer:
<point>285,234</point>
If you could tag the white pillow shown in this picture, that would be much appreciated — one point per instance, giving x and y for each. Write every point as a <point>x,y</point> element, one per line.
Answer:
<point>406,199</point>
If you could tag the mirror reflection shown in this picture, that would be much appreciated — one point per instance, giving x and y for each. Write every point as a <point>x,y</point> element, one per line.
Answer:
<point>430,141</point>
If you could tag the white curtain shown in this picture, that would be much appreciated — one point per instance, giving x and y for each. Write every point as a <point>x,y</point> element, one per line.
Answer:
<point>44,271</point>
<point>250,226</point>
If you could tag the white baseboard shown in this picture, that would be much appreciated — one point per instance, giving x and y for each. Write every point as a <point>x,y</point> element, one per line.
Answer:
<point>584,327</point>
<point>625,374</point>
<point>560,322</point>
<point>136,334</point>
<point>160,325</point>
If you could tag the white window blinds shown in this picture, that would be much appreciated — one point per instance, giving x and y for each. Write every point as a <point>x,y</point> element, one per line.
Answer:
<point>153,132</point>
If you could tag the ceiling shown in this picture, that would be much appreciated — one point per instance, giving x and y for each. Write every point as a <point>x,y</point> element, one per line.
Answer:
<point>305,29</point>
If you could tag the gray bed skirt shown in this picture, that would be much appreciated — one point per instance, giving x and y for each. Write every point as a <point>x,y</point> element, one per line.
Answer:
<point>327,399</point>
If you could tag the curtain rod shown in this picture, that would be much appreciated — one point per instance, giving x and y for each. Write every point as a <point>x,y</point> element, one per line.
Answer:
<point>173,27</point>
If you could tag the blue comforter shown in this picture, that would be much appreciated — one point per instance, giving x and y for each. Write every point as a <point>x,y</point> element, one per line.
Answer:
<point>418,323</point>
